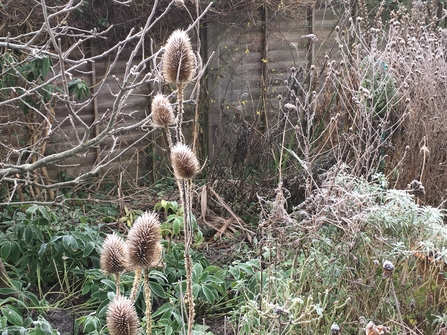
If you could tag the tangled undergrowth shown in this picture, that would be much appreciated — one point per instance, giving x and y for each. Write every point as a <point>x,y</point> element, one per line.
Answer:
<point>323,263</point>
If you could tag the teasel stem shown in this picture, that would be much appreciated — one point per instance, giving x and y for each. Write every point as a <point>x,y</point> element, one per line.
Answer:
<point>117,283</point>
<point>147,298</point>
<point>168,137</point>
<point>136,284</point>
<point>180,97</point>
<point>185,190</point>
<point>399,314</point>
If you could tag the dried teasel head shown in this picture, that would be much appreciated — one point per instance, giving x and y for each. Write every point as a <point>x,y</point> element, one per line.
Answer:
<point>178,59</point>
<point>121,317</point>
<point>335,329</point>
<point>162,111</point>
<point>112,259</point>
<point>388,269</point>
<point>184,162</point>
<point>143,242</point>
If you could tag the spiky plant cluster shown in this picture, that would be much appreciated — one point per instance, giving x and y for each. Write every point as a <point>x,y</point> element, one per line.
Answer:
<point>179,67</point>
<point>178,59</point>
<point>162,111</point>
<point>140,252</point>
<point>142,242</point>
<point>121,317</point>
<point>112,255</point>
<point>184,162</point>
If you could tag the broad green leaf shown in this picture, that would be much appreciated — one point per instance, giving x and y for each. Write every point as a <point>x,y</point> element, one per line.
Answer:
<point>176,226</point>
<point>86,288</point>
<point>70,243</point>
<point>88,249</point>
<point>12,316</point>
<point>6,250</point>
<point>42,249</point>
<point>110,284</point>
<point>28,235</point>
<point>209,293</point>
<point>7,291</point>
<point>197,272</point>
<point>195,290</point>
<point>157,289</point>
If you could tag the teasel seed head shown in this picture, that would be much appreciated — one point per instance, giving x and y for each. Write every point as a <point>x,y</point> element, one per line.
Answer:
<point>184,162</point>
<point>121,317</point>
<point>112,259</point>
<point>178,59</point>
<point>162,111</point>
<point>143,242</point>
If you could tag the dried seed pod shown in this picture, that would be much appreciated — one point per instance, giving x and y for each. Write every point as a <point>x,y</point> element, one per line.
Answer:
<point>178,59</point>
<point>388,269</point>
<point>335,329</point>
<point>184,162</point>
<point>121,317</point>
<point>112,259</point>
<point>162,111</point>
<point>143,242</point>
<point>372,329</point>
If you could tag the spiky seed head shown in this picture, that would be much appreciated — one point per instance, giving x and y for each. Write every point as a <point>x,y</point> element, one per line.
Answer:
<point>178,59</point>
<point>162,111</point>
<point>184,162</point>
<point>142,242</point>
<point>112,259</point>
<point>121,317</point>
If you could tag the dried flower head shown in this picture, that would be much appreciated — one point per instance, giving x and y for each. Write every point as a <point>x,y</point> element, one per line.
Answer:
<point>162,111</point>
<point>143,242</point>
<point>388,269</point>
<point>113,255</point>
<point>372,329</point>
<point>335,329</point>
<point>184,162</point>
<point>121,317</point>
<point>178,59</point>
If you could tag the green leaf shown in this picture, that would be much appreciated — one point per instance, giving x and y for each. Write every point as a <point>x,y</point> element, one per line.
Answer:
<point>110,284</point>
<point>28,235</point>
<point>213,279</point>
<point>177,225</point>
<point>42,249</point>
<point>88,249</point>
<point>3,322</point>
<point>12,316</point>
<point>46,64</point>
<point>6,249</point>
<point>31,297</point>
<point>86,288</point>
<point>157,289</point>
<point>195,290</point>
<point>7,291</point>
<point>166,308</point>
<point>15,252</point>
<point>30,211</point>
<point>70,243</point>
<point>197,272</point>
<point>209,293</point>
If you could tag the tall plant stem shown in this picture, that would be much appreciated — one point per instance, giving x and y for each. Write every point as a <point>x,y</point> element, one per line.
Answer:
<point>399,314</point>
<point>117,283</point>
<point>185,192</point>
<point>147,298</point>
<point>178,129</point>
<point>136,285</point>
